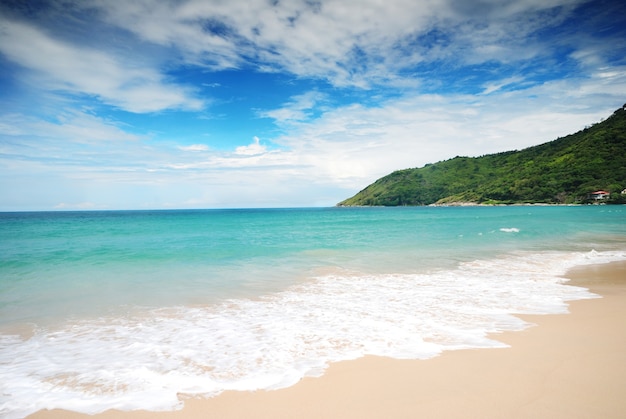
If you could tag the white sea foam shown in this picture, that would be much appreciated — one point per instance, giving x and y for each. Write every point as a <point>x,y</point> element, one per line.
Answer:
<point>510,230</point>
<point>144,361</point>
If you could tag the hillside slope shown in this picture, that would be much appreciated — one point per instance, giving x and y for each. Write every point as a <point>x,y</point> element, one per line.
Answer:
<point>565,170</point>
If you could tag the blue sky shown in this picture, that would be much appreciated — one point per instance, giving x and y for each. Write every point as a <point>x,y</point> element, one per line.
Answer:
<point>117,104</point>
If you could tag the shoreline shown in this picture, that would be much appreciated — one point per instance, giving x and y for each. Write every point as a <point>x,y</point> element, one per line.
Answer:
<point>565,366</point>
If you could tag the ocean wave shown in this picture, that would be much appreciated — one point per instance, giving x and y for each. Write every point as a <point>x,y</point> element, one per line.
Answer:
<point>146,360</point>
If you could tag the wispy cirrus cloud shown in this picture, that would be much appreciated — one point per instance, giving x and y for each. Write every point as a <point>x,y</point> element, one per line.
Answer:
<point>298,108</point>
<point>194,147</point>
<point>68,127</point>
<point>361,43</point>
<point>61,66</point>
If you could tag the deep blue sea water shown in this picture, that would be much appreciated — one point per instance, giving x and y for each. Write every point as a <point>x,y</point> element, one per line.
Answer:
<point>127,309</point>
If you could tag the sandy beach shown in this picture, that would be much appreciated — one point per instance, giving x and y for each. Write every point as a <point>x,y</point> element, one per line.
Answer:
<point>565,366</point>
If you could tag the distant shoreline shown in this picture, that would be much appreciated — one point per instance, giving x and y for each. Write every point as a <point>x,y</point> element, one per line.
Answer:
<point>476,204</point>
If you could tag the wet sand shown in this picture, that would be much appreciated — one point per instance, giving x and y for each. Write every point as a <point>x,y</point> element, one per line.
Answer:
<point>565,366</point>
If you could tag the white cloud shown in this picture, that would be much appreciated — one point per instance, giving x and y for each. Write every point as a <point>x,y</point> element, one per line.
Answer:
<point>499,84</point>
<point>251,150</point>
<point>297,109</point>
<point>194,147</point>
<point>346,42</point>
<point>356,42</point>
<point>354,145</point>
<point>58,65</point>
<point>349,43</point>
<point>69,127</point>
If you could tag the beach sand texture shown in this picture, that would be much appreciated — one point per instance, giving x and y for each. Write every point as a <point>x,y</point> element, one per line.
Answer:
<point>566,366</point>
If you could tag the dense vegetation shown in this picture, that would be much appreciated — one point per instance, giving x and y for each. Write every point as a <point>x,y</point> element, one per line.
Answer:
<point>562,171</point>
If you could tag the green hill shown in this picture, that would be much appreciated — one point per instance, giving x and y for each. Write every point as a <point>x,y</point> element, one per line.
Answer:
<point>565,170</point>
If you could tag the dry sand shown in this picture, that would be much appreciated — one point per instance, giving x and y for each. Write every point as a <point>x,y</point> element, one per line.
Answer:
<point>567,366</point>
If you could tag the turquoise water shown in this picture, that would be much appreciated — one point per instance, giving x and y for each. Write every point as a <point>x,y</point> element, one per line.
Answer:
<point>126,309</point>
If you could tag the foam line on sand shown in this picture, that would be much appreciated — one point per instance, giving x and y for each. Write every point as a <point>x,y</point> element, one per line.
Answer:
<point>566,366</point>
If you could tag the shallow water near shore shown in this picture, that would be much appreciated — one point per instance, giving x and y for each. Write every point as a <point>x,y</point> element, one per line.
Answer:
<point>129,309</point>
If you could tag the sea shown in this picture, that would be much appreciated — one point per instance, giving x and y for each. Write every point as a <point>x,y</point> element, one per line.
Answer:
<point>141,309</point>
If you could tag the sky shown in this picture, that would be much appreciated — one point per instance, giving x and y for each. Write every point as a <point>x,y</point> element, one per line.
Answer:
<point>155,104</point>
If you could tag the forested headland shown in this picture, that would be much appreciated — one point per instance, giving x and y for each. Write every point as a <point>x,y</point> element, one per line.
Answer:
<point>564,171</point>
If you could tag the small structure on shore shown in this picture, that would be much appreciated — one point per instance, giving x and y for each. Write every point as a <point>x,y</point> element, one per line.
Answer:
<point>599,195</point>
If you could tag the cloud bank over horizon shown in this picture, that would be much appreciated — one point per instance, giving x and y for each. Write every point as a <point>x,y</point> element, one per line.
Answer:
<point>209,104</point>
